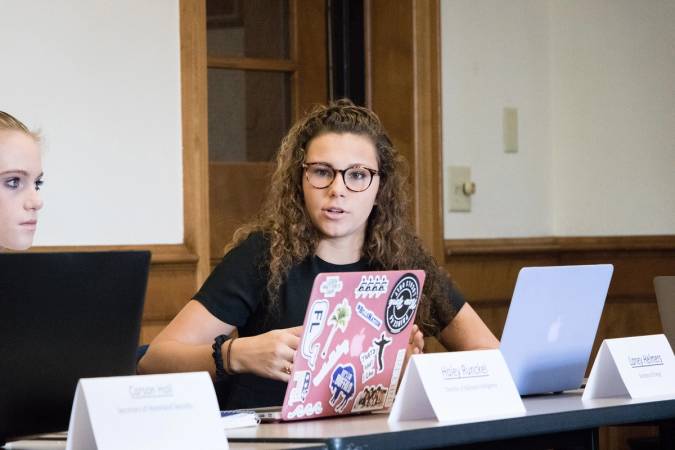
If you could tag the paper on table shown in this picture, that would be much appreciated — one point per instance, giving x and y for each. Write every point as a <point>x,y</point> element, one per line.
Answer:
<point>239,419</point>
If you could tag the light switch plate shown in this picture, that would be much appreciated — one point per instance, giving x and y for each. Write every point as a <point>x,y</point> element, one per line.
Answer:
<point>510,126</point>
<point>458,200</point>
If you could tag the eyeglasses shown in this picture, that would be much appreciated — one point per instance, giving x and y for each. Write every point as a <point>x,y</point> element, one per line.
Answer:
<point>355,178</point>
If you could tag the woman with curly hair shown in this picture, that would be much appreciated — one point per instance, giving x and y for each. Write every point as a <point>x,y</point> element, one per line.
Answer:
<point>20,181</point>
<point>336,204</point>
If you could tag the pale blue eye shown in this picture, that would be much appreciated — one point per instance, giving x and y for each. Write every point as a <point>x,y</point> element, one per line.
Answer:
<point>13,183</point>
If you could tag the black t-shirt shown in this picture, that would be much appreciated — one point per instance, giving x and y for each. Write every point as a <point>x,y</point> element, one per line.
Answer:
<point>236,293</point>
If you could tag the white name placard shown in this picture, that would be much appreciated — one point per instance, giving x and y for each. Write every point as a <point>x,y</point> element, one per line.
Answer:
<point>456,386</point>
<point>637,367</point>
<point>173,411</point>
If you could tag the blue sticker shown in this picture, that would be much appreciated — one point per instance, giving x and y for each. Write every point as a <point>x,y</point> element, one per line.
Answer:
<point>342,386</point>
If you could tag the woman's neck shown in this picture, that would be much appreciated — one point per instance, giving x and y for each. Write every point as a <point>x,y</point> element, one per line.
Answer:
<point>340,251</point>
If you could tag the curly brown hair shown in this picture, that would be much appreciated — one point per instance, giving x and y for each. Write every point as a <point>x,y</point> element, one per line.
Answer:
<point>390,242</point>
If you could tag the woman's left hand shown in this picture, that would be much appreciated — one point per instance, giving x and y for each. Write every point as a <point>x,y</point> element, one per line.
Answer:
<point>416,343</point>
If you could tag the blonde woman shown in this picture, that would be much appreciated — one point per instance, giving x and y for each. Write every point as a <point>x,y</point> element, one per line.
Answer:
<point>336,203</point>
<point>20,181</point>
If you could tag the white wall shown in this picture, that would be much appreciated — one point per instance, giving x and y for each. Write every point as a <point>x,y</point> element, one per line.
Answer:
<point>102,81</point>
<point>613,127</point>
<point>494,55</point>
<point>594,85</point>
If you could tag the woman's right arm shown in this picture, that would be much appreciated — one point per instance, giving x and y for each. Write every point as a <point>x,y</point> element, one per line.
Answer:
<point>185,345</point>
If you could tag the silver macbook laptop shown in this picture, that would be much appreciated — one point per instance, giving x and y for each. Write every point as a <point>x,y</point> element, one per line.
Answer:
<point>665,298</point>
<point>551,325</point>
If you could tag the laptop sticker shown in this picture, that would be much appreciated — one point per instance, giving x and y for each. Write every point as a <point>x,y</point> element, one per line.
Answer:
<point>333,358</point>
<point>371,286</point>
<point>331,286</point>
<point>339,319</point>
<point>370,398</point>
<point>381,343</point>
<point>316,322</point>
<point>308,410</point>
<point>342,387</point>
<point>396,374</point>
<point>368,315</point>
<point>369,363</point>
<point>300,388</point>
<point>402,303</point>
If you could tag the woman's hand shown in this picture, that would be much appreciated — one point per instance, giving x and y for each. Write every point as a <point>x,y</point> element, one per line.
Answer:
<point>416,343</point>
<point>268,355</point>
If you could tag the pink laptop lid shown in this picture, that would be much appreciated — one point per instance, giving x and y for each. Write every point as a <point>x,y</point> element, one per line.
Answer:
<point>355,335</point>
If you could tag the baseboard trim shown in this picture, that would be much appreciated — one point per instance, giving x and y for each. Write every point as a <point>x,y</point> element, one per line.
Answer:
<point>553,245</point>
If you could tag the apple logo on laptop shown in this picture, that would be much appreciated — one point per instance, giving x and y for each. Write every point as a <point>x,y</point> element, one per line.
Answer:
<point>554,330</point>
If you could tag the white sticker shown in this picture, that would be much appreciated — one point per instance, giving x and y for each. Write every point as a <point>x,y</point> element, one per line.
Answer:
<point>369,363</point>
<point>331,286</point>
<point>300,388</point>
<point>371,286</point>
<point>338,320</point>
<point>398,366</point>
<point>337,352</point>
<point>308,410</point>
<point>315,325</point>
<point>368,316</point>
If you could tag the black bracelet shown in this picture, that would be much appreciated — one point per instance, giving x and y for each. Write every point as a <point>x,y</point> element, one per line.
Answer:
<point>218,356</point>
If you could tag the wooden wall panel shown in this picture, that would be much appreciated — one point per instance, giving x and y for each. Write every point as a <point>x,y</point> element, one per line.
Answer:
<point>195,132</point>
<point>236,192</point>
<point>310,52</point>
<point>486,272</point>
<point>172,281</point>
<point>403,88</point>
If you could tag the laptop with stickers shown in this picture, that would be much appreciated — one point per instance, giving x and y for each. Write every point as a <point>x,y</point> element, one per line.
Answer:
<point>355,336</point>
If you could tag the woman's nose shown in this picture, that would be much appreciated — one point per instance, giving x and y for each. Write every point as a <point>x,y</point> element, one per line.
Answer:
<point>34,200</point>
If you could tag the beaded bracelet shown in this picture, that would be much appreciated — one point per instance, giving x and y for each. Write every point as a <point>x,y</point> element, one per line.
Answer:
<point>218,356</point>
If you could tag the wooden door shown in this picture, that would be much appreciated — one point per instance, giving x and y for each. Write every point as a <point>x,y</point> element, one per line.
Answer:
<point>266,66</point>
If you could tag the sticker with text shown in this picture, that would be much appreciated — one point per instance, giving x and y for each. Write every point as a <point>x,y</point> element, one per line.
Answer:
<point>300,388</point>
<point>369,363</point>
<point>371,286</point>
<point>370,398</point>
<point>368,316</point>
<point>331,286</point>
<point>315,325</point>
<point>338,320</point>
<point>402,303</point>
<point>308,410</point>
<point>338,351</point>
<point>398,366</point>
<point>342,387</point>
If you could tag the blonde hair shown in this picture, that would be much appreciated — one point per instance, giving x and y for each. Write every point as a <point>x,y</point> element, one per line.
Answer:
<point>9,122</point>
<point>390,242</point>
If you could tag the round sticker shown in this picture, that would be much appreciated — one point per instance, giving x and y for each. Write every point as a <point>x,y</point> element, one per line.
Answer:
<point>402,303</point>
